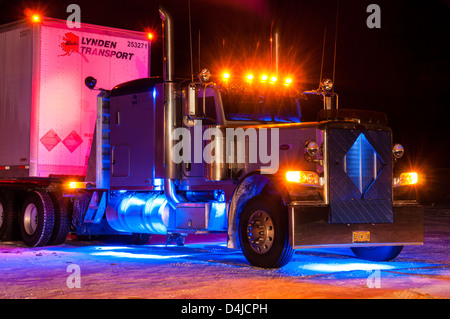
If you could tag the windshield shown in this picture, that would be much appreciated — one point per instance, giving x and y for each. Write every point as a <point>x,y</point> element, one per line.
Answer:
<point>263,104</point>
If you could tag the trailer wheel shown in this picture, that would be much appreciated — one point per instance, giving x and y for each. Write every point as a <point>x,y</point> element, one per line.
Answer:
<point>9,217</point>
<point>379,253</point>
<point>37,219</point>
<point>263,232</point>
<point>63,216</point>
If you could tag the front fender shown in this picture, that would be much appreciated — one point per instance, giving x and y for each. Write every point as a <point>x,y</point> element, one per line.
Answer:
<point>249,186</point>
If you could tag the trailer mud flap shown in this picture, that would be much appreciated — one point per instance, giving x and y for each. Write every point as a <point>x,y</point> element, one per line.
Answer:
<point>310,226</point>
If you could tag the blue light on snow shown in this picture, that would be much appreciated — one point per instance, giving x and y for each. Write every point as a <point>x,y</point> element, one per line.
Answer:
<point>346,267</point>
<point>122,254</point>
<point>111,247</point>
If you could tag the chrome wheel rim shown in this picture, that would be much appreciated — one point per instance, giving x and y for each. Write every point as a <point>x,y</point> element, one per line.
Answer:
<point>30,219</point>
<point>260,232</point>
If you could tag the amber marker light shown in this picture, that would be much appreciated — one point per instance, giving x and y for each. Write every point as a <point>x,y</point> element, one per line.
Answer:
<point>72,185</point>
<point>36,18</point>
<point>78,185</point>
<point>307,178</point>
<point>249,77</point>
<point>264,77</point>
<point>273,79</point>
<point>288,81</point>
<point>410,178</point>
<point>226,75</point>
<point>149,35</point>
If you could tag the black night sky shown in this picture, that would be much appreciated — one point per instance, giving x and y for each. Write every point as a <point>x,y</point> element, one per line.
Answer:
<point>401,69</point>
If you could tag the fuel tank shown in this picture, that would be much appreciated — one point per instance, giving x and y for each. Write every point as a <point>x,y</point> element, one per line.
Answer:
<point>139,213</point>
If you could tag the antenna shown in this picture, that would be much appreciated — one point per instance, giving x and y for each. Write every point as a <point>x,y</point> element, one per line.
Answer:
<point>323,54</point>
<point>274,52</point>
<point>190,40</point>
<point>335,40</point>
<point>199,63</point>
<point>271,46</point>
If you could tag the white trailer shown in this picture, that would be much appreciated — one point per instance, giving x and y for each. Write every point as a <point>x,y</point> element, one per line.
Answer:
<point>47,115</point>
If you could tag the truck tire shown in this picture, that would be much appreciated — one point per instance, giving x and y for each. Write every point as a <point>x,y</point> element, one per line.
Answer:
<point>63,218</point>
<point>9,217</point>
<point>379,253</point>
<point>263,232</point>
<point>37,219</point>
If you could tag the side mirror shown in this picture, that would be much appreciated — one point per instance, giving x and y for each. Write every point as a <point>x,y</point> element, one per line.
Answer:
<point>90,82</point>
<point>192,107</point>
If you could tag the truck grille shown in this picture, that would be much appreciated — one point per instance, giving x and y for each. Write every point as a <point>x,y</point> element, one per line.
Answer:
<point>360,174</point>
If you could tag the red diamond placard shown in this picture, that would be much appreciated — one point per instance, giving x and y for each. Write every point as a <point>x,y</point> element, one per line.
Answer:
<point>50,140</point>
<point>72,141</point>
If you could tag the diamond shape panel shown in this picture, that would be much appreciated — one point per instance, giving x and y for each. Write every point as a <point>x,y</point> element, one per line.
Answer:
<point>50,140</point>
<point>72,141</point>
<point>362,164</point>
<point>360,172</point>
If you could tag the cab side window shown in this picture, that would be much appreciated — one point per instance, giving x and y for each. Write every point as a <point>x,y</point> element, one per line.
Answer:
<point>210,110</point>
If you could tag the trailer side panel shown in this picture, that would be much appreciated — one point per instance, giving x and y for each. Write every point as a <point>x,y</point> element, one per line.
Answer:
<point>15,98</point>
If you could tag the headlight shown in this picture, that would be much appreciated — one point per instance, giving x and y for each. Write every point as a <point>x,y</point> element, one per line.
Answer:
<point>398,150</point>
<point>327,85</point>
<point>205,75</point>
<point>311,148</point>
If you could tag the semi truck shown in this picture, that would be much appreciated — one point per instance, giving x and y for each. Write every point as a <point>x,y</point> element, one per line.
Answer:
<point>242,154</point>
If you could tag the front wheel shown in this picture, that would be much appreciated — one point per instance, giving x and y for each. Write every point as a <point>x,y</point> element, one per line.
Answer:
<point>263,232</point>
<point>379,253</point>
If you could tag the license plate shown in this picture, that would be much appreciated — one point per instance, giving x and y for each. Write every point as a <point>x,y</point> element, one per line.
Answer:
<point>361,236</point>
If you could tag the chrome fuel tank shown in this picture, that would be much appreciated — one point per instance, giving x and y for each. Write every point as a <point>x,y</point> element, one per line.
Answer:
<point>139,213</point>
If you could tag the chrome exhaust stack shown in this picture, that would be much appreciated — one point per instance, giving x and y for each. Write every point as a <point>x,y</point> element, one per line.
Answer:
<point>172,171</point>
<point>168,47</point>
<point>170,93</point>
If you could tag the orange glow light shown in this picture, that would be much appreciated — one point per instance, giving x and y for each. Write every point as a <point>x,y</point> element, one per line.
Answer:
<point>36,18</point>
<point>226,75</point>
<point>303,177</point>
<point>273,79</point>
<point>73,185</point>
<point>288,81</point>
<point>149,36</point>
<point>408,179</point>
<point>264,77</point>
<point>249,76</point>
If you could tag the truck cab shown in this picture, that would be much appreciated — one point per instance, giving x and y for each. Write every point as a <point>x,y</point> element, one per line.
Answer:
<point>244,155</point>
<point>249,158</point>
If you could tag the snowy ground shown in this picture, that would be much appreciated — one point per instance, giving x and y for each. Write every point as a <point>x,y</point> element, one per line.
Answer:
<point>207,269</point>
